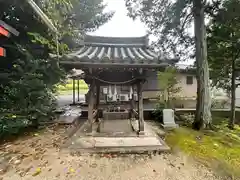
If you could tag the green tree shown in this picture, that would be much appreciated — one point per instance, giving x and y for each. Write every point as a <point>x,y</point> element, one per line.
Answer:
<point>223,49</point>
<point>27,75</point>
<point>74,18</point>
<point>168,83</point>
<point>169,21</point>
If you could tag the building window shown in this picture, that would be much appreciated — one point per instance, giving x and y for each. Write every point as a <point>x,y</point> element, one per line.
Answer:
<point>189,80</point>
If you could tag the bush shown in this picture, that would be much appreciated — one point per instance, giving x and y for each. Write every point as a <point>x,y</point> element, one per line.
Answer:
<point>11,124</point>
<point>219,104</point>
<point>28,93</point>
<point>187,119</point>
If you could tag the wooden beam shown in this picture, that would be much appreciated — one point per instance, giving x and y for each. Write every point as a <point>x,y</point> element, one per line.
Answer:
<point>140,107</point>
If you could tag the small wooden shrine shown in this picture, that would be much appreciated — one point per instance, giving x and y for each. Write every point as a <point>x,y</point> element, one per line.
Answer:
<point>112,61</point>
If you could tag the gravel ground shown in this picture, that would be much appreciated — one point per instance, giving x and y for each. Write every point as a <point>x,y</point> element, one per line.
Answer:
<point>39,157</point>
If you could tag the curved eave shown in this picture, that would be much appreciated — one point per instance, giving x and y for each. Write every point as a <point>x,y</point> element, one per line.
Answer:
<point>112,65</point>
<point>117,55</point>
<point>127,60</point>
<point>85,62</point>
<point>103,40</point>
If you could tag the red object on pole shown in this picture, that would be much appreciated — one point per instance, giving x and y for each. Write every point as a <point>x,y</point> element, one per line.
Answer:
<point>4,32</point>
<point>2,52</point>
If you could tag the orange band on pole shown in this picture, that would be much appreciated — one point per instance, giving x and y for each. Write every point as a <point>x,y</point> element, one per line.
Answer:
<point>4,32</point>
<point>2,52</point>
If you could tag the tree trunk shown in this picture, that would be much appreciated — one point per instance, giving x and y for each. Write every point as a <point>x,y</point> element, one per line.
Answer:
<point>233,96</point>
<point>203,107</point>
<point>207,115</point>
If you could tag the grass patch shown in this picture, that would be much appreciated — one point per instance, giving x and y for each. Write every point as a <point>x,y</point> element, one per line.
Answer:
<point>219,149</point>
<point>68,87</point>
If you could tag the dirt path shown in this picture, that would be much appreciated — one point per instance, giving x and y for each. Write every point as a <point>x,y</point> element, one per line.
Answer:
<point>38,157</point>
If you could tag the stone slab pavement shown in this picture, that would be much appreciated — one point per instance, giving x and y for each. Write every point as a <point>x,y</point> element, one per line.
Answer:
<point>118,141</point>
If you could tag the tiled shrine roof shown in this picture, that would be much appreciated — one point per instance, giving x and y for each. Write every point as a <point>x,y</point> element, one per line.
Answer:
<point>120,50</point>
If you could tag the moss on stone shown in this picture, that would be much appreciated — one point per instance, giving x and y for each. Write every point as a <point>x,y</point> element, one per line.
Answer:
<point>219,149</point>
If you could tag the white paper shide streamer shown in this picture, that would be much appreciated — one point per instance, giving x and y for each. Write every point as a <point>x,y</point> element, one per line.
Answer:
<point>110,91</point>
<point>131,92</point>
<point>115,90</point>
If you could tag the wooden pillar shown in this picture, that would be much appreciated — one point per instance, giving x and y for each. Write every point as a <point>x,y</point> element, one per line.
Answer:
<point>132,103</point>
<point>97,95</point>
<point>91,104</point>
<point>97,103</point>
<point>74,91</point>
<point>78,89</point>
<point>138,110</point>
<point>140,107</point>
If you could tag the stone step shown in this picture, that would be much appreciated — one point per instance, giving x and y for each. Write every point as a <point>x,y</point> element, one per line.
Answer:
<point>119,144</point>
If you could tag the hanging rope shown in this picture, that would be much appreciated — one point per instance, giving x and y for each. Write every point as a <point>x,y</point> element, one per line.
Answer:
<point>117,83</point>
<point>108,82</point>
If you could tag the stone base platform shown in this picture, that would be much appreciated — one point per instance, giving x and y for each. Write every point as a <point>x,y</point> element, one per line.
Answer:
<point>128,143</point>
<point>118,145</point>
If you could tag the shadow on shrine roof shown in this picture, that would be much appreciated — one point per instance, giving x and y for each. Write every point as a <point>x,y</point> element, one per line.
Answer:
<point>115,51</point>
